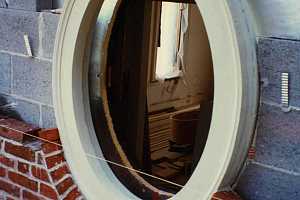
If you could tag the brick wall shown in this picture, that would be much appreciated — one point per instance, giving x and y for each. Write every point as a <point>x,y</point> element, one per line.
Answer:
<point>31,168</point>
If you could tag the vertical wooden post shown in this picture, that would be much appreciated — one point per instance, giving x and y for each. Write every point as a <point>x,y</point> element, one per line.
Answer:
<point>128,61</point>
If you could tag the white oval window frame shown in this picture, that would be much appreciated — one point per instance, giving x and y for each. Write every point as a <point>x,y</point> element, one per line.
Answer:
<point>235,104</point>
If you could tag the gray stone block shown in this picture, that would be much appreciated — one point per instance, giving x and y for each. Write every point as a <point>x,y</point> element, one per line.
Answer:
<point>40,27</point>
<point>279,54</point>
<point>48,25</point>
<point>259,183</point>
<point>48,117</point>
<point>5,73</point>
<point>272,93</point>
<point>32,5</point>
<point>276,56</point>
<point>3,4</point>
<point>278,138</point>
<point>32,79</point>
<point>20,109</point>
<point>16,23</point>
<point>58,3</point>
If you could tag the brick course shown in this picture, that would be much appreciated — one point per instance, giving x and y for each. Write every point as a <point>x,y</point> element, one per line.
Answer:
<point>20,151</point>
<point>226,195</point>
<point>16,133</point>
<point>34,169</point>
<point>30,196</point>
<point>10,188</point>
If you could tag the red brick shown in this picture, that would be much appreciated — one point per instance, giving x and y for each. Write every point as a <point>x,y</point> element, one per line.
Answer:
<point>10,189</point>
<point>7,161</point>
<point>29,196</point>
<point>49,134</point>
<point>13,129</point>
<point>40,173</point>
<point>48,191</point>
<point>23,181</point>
<point>3,117</point>
<point>20,151</point>
<point>23,167</point>
<point>55,160</point>
<point>73,195</point>
<point>12,135</point>
<point>2,172</point>
<point>226,196</point>
<point>252,153</point>
<point>64,185</point>
<point>59,173</point>
<point>50,147</point>
<point>155,196</point>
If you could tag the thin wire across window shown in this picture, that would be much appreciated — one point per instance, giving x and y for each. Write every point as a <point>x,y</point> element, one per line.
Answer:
<point>96,157</point>
<point>104,160</point>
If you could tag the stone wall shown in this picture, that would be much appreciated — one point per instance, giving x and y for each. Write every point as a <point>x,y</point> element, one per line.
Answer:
<point>25,82</point>
<point>275,172</point>
<point>25,93</point>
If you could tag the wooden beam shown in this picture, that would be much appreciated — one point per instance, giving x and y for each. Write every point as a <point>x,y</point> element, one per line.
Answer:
<point>128,59</point>
<point>177,1</point>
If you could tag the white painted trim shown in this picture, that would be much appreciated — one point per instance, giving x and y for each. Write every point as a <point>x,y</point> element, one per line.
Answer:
<point>233,49</point>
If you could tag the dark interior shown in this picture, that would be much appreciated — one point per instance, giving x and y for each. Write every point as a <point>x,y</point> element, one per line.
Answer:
<point>127,88</point>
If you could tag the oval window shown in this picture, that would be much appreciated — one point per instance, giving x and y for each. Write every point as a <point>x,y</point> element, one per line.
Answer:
<point>155,99</point>
<point>158,86</point>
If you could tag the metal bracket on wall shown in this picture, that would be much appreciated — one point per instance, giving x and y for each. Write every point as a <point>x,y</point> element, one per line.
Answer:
<point>285,90</point>
<point>27,45</point>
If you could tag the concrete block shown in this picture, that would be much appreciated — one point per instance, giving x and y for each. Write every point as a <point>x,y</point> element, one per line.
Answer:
<point>20,109</point>
<point>278,138</point>
<point>271,92</point>
<point>16,23</point>
<point>32,79</point>
<point>48,26</point>
<point>3,4</point>
<point>32,5</point>
<point>259,183</point>
<point>40,27</point>
<point>276,56</point>
<point>5,73</point>
<point>48,117</point>
<point>58,3</point>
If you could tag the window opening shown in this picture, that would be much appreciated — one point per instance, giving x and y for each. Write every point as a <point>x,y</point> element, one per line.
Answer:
<point>173,25</point>
<point>161,128</point>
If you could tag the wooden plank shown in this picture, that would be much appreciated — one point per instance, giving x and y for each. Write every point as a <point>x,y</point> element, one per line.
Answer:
<point>177,1</point>
<point>156,141</point>
<point>128,54</point>
<point>159,117</point>
<point>161,144</point>
<point>142,111</point>
<point>202,130</point>
<point>165,132</point>
<point>161,126</point>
